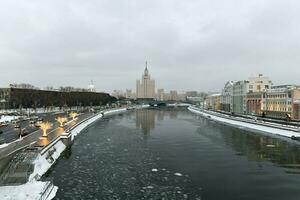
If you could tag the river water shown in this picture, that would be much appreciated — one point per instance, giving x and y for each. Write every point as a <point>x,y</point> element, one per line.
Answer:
<point>175,154</point>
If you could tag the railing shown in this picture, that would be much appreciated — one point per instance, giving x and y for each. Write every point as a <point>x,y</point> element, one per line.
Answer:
<point>257,122</point>
<point>45,149</point>
<point>48,187</point>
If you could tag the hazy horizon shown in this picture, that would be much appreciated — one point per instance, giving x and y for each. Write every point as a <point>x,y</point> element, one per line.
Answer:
<point>189,45</point>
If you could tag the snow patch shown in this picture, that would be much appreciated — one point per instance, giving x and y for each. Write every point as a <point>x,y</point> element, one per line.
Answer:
<point>177,174</point>
<point>265,129</point>
<point>8,118</point>
<point>29,191</point>
<point>3,145</point>
<point>44,162</point>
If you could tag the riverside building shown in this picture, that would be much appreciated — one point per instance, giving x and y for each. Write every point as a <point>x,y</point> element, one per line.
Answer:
<point>226,97</point>
<point>296,109</point>
<point>258,84</point>
<point>213,102</point>
<point>280,99</point>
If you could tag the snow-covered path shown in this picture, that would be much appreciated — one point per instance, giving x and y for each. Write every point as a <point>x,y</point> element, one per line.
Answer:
<point>240,124</point>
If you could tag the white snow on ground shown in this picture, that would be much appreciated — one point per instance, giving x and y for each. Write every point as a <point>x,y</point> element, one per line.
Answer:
<point>3,145</point>
<point>83,125</point>
<point>7,118</point>
<point>115,111</point>
<point>266,129</point>
<point>179,104</point>
<point>43,162</point>
<point>29,191</point>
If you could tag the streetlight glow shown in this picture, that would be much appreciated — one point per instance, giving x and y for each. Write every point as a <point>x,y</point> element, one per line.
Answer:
<point>73,115</point>
<point>61,120</point>
<point>45,126</point>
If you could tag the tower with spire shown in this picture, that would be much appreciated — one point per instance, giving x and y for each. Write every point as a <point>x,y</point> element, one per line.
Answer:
<point>91,87</point>
<point>145,88</point>
<point>146,72</point>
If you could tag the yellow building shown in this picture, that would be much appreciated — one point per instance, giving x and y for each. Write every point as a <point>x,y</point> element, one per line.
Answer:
<point>213,102</point>
<point>279,101</point>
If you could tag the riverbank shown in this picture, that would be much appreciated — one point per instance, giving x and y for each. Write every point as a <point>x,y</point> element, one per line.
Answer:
<point>253,125</point>
<point>45,159</point>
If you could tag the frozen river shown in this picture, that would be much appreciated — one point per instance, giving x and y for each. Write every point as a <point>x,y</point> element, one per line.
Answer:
<point>175,154</point>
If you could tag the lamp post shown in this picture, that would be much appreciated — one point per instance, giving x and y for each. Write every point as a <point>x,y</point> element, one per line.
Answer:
<point>61,121</point>
<point>73,115</point>
<point>45,126</point>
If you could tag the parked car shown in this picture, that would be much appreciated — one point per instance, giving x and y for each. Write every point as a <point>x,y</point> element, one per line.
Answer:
<point>32,121</point>
<point>37,124</point>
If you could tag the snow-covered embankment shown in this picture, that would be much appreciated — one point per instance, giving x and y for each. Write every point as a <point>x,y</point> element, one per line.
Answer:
<point>51,153</point>
<point>35,189</point>
<point>250,126</point>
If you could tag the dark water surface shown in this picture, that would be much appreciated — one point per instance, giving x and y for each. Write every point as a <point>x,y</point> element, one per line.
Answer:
<point>174,154</point>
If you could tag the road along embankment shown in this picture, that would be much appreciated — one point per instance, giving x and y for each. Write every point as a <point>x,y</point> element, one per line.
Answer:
<point>252,125</point>
<point>35,189</point>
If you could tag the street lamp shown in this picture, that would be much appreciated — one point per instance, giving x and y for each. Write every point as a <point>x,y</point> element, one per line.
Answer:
<point>61,121</point>
<point>73,115</point>
<point>45,126</point>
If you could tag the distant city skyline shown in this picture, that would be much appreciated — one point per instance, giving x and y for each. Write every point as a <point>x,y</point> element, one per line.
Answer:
<point>190,45</point>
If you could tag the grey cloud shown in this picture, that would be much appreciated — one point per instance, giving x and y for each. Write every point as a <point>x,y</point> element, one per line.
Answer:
<point>191,44</point>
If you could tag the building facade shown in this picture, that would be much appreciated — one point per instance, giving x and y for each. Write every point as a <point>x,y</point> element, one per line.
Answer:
<point>279,101</point>
<point>256,102</point>
<point>213,102</point>
<point>239,92</point>
<point>226,97</point>
<point>129,94</point>
<point>296,110</point>
<point>258,84</point>
<point>145,88</point>
<point>160,95</point>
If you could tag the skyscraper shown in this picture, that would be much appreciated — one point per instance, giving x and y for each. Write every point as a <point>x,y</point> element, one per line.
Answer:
<point>145,88</point>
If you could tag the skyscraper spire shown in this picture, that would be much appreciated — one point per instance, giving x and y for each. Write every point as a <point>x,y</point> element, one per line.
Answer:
<point>146,69</point>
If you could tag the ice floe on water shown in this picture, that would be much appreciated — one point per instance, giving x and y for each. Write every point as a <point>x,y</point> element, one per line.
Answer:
<point>177,174</point>
<point>122,168</point>
<point>34,189</point>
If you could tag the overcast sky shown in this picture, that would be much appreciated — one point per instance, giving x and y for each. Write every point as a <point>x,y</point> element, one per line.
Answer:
<point>189,44</point>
